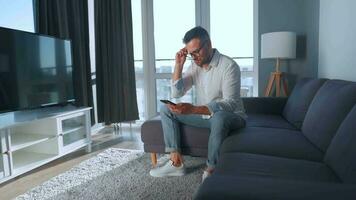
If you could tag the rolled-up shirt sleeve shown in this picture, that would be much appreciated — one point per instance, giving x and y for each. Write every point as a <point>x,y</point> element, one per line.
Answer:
<point>230,100</point>
<point>182,85</point>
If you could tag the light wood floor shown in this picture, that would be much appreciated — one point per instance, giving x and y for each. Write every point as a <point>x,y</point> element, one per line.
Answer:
<point>126,138</point>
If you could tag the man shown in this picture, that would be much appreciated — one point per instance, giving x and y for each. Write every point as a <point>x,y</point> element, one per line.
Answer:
<point>216,78</point>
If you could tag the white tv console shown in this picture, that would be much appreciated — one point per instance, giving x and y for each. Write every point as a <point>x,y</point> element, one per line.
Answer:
<point>29,139</point>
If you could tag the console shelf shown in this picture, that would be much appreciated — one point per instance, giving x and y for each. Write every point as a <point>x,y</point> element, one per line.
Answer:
<point>20,140</point>
<point>29,139</point>
<point>23,160</point>
<point>73,129</point>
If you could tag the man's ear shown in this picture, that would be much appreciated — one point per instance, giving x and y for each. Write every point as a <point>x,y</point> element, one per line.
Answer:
<point>209,44</point>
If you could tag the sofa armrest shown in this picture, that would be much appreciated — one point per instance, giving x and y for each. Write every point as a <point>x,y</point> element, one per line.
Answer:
<point>223,187</point>
<point>264,105</point>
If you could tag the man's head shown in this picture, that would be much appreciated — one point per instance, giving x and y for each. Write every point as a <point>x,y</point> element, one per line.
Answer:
<point>198,44</point>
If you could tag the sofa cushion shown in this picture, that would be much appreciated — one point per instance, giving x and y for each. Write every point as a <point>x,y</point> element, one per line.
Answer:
<point>270,141</point>
<point>328,109</point>
<point>264,105</point>
<point>341,154</point>
<point>246,164</point>
<point>300,99</point>
<point>269,121</point>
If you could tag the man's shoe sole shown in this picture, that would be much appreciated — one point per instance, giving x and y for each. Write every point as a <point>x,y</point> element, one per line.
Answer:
<point>169,174</point>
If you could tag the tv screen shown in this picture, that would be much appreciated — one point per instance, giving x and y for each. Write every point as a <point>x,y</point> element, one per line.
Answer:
<point>35,70</point>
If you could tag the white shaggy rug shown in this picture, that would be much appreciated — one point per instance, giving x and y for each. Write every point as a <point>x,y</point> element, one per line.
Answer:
<point>84,172</point>
<point>120,174</point>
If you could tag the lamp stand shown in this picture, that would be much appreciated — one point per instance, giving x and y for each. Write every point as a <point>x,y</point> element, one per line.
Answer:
<point>277,78</point>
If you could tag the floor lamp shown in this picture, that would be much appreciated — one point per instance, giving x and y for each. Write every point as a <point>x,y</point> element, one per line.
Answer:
<point>278,45</point>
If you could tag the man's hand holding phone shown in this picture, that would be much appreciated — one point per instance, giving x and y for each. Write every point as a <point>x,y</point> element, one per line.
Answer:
<point>180,108</point>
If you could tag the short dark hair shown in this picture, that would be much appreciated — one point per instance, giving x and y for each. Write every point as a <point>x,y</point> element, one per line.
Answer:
<point>196,32</point>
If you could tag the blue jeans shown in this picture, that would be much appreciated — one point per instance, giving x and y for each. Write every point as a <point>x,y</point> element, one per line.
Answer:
<point>220,124</point>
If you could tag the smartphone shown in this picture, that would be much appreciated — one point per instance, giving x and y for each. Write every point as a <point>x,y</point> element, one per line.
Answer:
<point>167,102</point>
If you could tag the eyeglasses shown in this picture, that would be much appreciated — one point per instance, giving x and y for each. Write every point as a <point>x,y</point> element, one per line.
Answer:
<point>196,53</point>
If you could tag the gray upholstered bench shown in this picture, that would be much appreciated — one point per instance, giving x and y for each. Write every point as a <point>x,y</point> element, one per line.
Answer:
<point>194,140</point>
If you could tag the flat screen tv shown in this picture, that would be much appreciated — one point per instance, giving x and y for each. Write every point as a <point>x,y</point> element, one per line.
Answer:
<point>35,70</point>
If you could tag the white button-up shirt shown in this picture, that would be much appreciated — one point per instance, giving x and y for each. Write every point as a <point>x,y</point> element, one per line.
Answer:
<point>217,87</point>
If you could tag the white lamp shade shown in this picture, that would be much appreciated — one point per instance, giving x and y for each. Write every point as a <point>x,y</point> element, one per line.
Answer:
<point>278,45</point>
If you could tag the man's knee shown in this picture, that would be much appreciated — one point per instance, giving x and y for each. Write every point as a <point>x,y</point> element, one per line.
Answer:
<point>220,117</point>
<point>223,119</point>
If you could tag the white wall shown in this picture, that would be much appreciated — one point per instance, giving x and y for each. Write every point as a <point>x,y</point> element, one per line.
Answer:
<point>337,39</point>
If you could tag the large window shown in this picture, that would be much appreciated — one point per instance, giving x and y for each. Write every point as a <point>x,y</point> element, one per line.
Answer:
<point>231,30</point>
<point>17,15</point>
<point>171,20</point>
<point>230,23</point>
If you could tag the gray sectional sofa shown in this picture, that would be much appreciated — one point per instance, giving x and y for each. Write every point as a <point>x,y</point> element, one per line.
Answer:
<point>301,147</point>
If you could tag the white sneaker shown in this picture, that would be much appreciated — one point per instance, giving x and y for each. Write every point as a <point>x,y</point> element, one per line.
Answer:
<point>163,160</point>
<point>205,175</point>
<point>168,170</point>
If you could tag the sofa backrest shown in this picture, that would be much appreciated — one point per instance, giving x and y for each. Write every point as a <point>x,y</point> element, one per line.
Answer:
<point>328,109</point>
<point>341,154</point>
<point>300,99</point>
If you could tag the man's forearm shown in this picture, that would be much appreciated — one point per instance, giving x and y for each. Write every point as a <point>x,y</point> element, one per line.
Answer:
<point>201,110</point>
<point>177,74</point>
